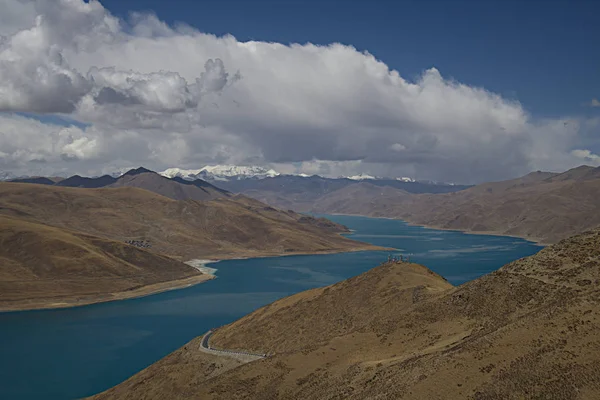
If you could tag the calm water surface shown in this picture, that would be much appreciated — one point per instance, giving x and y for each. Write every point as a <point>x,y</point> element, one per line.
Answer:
<point>76,352</point>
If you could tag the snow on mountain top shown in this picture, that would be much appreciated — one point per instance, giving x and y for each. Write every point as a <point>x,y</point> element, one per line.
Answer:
<point>361,177</point>
<point>236,170</point>
<point>220,172</point>
<point>177,172</point>
<point>405,179</point>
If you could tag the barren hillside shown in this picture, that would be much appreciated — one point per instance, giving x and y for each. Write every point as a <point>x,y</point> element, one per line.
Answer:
<point>528,330</point>
<point>222,228</point>
<point>540,206</point>
<point>44,266</point>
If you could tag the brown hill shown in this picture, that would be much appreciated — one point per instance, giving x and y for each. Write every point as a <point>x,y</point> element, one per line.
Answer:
<point>526,331</point>
<point>83,182</point>
<point>177,189</point>
<point>221,228</point>
<point>44,266</point>
<point>540,206</point>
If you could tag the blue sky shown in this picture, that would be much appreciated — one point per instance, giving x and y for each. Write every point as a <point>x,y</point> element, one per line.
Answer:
<point>542,53</point>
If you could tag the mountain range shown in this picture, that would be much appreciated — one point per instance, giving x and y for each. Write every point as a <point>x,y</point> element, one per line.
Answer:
<point>400,331</point>
<point>175,188</point>
<point>300,193</point>
<point>221,172</point>
<point>75,241</point>
<point>224,173</point>
<point>540,206</point>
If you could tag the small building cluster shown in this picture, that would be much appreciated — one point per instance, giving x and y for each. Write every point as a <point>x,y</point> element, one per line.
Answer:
<point>144,244</point>
<point>400,258</point>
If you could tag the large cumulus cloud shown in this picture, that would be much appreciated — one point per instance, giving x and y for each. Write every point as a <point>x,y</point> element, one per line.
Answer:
<point>165,96</point>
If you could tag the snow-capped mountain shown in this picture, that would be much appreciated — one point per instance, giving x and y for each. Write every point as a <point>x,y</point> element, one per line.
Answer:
<point>221,173</point>
<point>189,174</point>
<point>360,177</point>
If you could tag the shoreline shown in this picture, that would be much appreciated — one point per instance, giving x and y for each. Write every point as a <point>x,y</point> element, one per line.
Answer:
<point>217,258</point>
<point>66,302</point>
<point>535,240</point>
<point>160,287</point>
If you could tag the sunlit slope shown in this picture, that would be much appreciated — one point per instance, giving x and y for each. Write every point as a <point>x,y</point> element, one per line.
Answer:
<point>42,266</point>
<point>540,206</point>
<point>220,228</point>
<point>528,330</point>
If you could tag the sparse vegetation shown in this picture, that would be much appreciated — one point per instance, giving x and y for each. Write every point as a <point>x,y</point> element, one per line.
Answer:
<point>526,331</point>
<point>60,228</point>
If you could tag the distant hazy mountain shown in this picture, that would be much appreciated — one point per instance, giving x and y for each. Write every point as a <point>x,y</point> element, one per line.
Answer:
<point>175,188</point>
<point>84,182</point>
<point>542,206</point>
<point>226,173</point>
<point>300,193</point>
<point>40,180</point>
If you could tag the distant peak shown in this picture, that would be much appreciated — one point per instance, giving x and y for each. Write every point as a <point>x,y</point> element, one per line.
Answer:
<point>137,171</point>
<point>361,177</point>
<point>221,172</point>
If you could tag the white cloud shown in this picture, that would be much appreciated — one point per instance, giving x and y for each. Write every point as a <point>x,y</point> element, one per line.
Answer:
<point>398,147</point>
<point>163,96</point>
<point>595,103</point>
<point>587,155</point>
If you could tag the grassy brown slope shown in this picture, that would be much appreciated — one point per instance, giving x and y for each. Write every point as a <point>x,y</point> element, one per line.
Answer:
<point>540,206</point>
<point>377,295</point>
<point>44,266</point>
<point>221,228</point>
<point>526,331</point>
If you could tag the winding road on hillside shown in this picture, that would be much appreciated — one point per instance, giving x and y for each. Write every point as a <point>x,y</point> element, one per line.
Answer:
<point>240,355</point>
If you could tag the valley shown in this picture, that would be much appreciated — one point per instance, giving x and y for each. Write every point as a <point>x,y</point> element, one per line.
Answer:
<point>124,337</point>
<point>299,200</point>
<point>541,206</point>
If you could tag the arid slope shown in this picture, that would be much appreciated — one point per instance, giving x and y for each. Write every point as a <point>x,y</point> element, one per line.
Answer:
<point>528,330</point>
<point>540,206</point>
<point>44,266</point>
<point>221,228</point>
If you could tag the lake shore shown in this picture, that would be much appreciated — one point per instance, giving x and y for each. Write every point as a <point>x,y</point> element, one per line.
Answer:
<point>159,287</point>
<point>535,240</point>
<point>268,254</point>
<point>68,302</point>
<point>538,241</point>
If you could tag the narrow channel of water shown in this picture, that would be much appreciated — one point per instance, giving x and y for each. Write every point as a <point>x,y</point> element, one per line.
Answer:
<point>77,352</point>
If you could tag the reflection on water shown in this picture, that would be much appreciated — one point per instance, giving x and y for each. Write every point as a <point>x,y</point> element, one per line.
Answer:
<point>70,353</point>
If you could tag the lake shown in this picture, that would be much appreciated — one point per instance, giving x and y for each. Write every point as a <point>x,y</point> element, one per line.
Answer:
<point>77,352</point>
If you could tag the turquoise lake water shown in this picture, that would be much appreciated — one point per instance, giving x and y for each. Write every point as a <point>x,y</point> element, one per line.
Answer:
<point>76,352</point>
